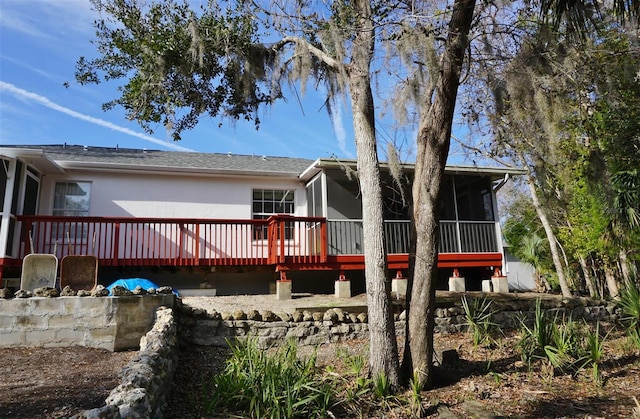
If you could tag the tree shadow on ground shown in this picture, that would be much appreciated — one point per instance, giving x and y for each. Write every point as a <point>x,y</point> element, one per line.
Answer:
<point>448,375</point>
<point>569,407</point>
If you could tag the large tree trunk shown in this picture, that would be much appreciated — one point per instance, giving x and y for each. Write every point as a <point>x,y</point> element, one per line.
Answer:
<point>383,347</point>
<point>612,283</point>
<point>588,278</point>
<point>551,236</point>
<point>625,265</point>
<point>434,139</point>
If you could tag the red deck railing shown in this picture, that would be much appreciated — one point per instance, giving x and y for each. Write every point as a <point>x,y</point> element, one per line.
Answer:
<point>286,242</point>
<point>126,241</point>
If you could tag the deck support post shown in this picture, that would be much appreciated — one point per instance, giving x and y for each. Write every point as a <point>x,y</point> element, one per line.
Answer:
<point>486,285</point>
<point>399,286</point>
<point>500,282</point>
<point>343,287</point>
<point>456,282</point>
<point>283,287</point>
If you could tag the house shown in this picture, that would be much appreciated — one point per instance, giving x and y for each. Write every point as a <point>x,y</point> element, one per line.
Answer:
<point>229,222</point>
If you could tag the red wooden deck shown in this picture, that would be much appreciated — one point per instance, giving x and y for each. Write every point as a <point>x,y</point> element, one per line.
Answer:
<point>284,242</point>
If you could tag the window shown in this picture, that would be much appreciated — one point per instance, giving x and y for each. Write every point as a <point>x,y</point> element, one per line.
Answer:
<point>71,199</point>
<point>268,202</point>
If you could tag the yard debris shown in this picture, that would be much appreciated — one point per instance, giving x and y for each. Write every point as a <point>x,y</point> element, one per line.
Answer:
<point>119,290</point>
<point>48,292</point>
<point>68,292</point>
<point>23,294</point>
<point>140,291</point>
<point>100,291</point>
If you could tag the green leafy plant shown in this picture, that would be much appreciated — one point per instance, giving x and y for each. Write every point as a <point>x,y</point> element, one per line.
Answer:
<point>262,384</point>
<point>629,303</point>
<point>478,320</point>
<point>417,409</point>
<point>535,338</point>
<point>557,343</point>
<point>381,386</point>
<point>594,352</point>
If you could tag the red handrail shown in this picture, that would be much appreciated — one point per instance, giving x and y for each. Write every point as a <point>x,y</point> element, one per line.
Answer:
<point>130,241</point>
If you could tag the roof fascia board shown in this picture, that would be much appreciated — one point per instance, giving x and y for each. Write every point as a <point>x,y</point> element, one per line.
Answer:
<point>127,168</point>
<point>35,157</point>
<point>450,169</point>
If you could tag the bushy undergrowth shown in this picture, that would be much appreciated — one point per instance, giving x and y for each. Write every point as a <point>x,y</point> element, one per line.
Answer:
<point>264,384</point>
<point>277,383</point>
<point>561,344</point>
<point>478,320</point>
<point>629,303</point>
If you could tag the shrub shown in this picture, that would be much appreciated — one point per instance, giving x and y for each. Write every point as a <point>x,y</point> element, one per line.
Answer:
<point>478,319</point>
<point>269,385</point>
<point>629,303</point>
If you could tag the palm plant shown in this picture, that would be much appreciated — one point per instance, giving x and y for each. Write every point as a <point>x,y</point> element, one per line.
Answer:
<point>478,319</point>
<point>629,303</point>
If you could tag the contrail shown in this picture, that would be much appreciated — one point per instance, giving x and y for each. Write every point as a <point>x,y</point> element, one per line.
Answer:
<point>24,94</point>
<point>338,129</point>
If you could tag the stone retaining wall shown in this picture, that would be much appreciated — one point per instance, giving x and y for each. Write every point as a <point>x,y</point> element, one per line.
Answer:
<point>113,323</point>
<point>146,380</point>
<point>199,327</point>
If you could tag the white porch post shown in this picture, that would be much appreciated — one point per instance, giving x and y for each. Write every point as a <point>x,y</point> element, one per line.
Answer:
<point>6,209</point>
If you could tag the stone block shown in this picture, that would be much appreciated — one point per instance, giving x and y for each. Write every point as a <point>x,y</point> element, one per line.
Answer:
<point>343,289</point>
<point>31,321</point>
<point>12,339</point>
<point>457,284</point>
<point>486,285</point>
<point>399,287</point>
<point>283,290</point>
<point>62,321</point>
<point>6,321</point>
<point>500,284</point>
<point>70,336</point>
<point>37,337</point>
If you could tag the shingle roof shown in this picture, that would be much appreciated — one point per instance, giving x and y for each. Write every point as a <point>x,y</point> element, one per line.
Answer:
<point>171,159</point>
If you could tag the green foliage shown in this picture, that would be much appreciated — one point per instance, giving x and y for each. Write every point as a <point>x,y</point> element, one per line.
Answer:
<point>478,320</point>
<point>278,385</point>
<point>417,409</point>
<point>629,303</point>
<point>594,352</point>
<point>381,387</point>
<point>178,63</point>
<point>559,343</point>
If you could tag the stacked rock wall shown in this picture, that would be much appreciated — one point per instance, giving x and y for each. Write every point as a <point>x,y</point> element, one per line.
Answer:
<point>199,327</point>
<point>146,380</point>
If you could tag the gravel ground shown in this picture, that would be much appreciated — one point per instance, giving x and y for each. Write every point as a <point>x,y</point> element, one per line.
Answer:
<point>270,302</point>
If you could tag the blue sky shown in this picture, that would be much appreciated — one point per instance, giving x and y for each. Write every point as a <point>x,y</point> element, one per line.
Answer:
<point>40,42</point>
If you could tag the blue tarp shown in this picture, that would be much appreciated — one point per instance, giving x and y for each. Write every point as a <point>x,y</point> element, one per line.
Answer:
<point>132,283</point>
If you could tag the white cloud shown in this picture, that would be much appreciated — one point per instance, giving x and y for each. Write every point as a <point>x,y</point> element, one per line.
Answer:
<point>52,19</point>
<point>338,129</point>
<point>34,97</point>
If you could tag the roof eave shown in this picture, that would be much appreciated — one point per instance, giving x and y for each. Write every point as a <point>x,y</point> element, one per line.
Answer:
<point>495,172</point>
<point>129,168</point>
<point>35,157</point>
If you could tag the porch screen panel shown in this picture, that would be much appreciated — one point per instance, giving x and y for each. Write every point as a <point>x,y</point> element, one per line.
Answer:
<point>345,237</point>
<point>448,237</point>
<point>478,237</point>
<point>397,235</point>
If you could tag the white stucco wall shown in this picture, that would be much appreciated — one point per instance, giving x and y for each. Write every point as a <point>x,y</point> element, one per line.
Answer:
<point>171,196</point>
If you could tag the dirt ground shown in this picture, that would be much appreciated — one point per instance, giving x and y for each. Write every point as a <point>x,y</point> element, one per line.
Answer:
<point>487,382</point>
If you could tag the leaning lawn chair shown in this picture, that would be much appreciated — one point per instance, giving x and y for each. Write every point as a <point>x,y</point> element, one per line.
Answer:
<point>79,272</point>
<point>38,269</point>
